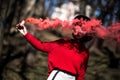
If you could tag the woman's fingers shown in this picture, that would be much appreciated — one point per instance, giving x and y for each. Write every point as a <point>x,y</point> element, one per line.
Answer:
<point>20,25</point>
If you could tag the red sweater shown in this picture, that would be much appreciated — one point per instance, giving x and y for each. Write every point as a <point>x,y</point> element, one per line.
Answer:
<point>64,54</point>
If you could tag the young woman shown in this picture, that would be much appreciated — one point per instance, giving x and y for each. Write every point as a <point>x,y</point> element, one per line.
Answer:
<point>67,58</point>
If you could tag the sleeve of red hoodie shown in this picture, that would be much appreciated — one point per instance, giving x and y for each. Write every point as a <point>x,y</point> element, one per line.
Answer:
<point>42,46</point>
<point>81,75</point>
<point>81,72</point>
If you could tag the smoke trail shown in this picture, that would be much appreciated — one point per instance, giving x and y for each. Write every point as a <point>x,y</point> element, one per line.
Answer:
<point>93,27</point>
<point>114,32</point>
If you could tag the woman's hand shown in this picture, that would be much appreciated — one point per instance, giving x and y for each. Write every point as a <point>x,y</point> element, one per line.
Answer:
<point>21,28</point>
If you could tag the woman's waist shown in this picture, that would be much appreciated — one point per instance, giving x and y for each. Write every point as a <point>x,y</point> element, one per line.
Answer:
<point>67,71</point>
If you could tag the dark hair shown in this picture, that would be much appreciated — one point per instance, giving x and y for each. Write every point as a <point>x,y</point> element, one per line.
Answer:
<point>82,16</point>
<point>85,38</point>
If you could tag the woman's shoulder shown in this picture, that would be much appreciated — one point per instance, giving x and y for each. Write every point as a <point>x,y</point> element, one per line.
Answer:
<point>63,40</point>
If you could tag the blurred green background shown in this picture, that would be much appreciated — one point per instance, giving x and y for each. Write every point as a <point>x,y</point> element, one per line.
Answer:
<point>20,61</point>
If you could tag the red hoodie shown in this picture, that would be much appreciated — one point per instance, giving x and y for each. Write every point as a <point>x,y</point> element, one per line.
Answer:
<point>64,54</point>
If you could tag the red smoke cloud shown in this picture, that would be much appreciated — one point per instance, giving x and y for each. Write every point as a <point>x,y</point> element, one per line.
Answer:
<point>93,26</point>
<point>114,31</point>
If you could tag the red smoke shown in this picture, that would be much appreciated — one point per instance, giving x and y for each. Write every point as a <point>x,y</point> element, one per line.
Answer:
<point>114,31</point>
<point>93,26</point>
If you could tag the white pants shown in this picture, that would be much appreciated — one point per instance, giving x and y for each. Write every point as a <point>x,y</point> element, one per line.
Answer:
<point>59,75</point>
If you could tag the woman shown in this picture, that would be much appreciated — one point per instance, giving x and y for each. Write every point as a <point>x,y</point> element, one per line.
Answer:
<point>67,58</point>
